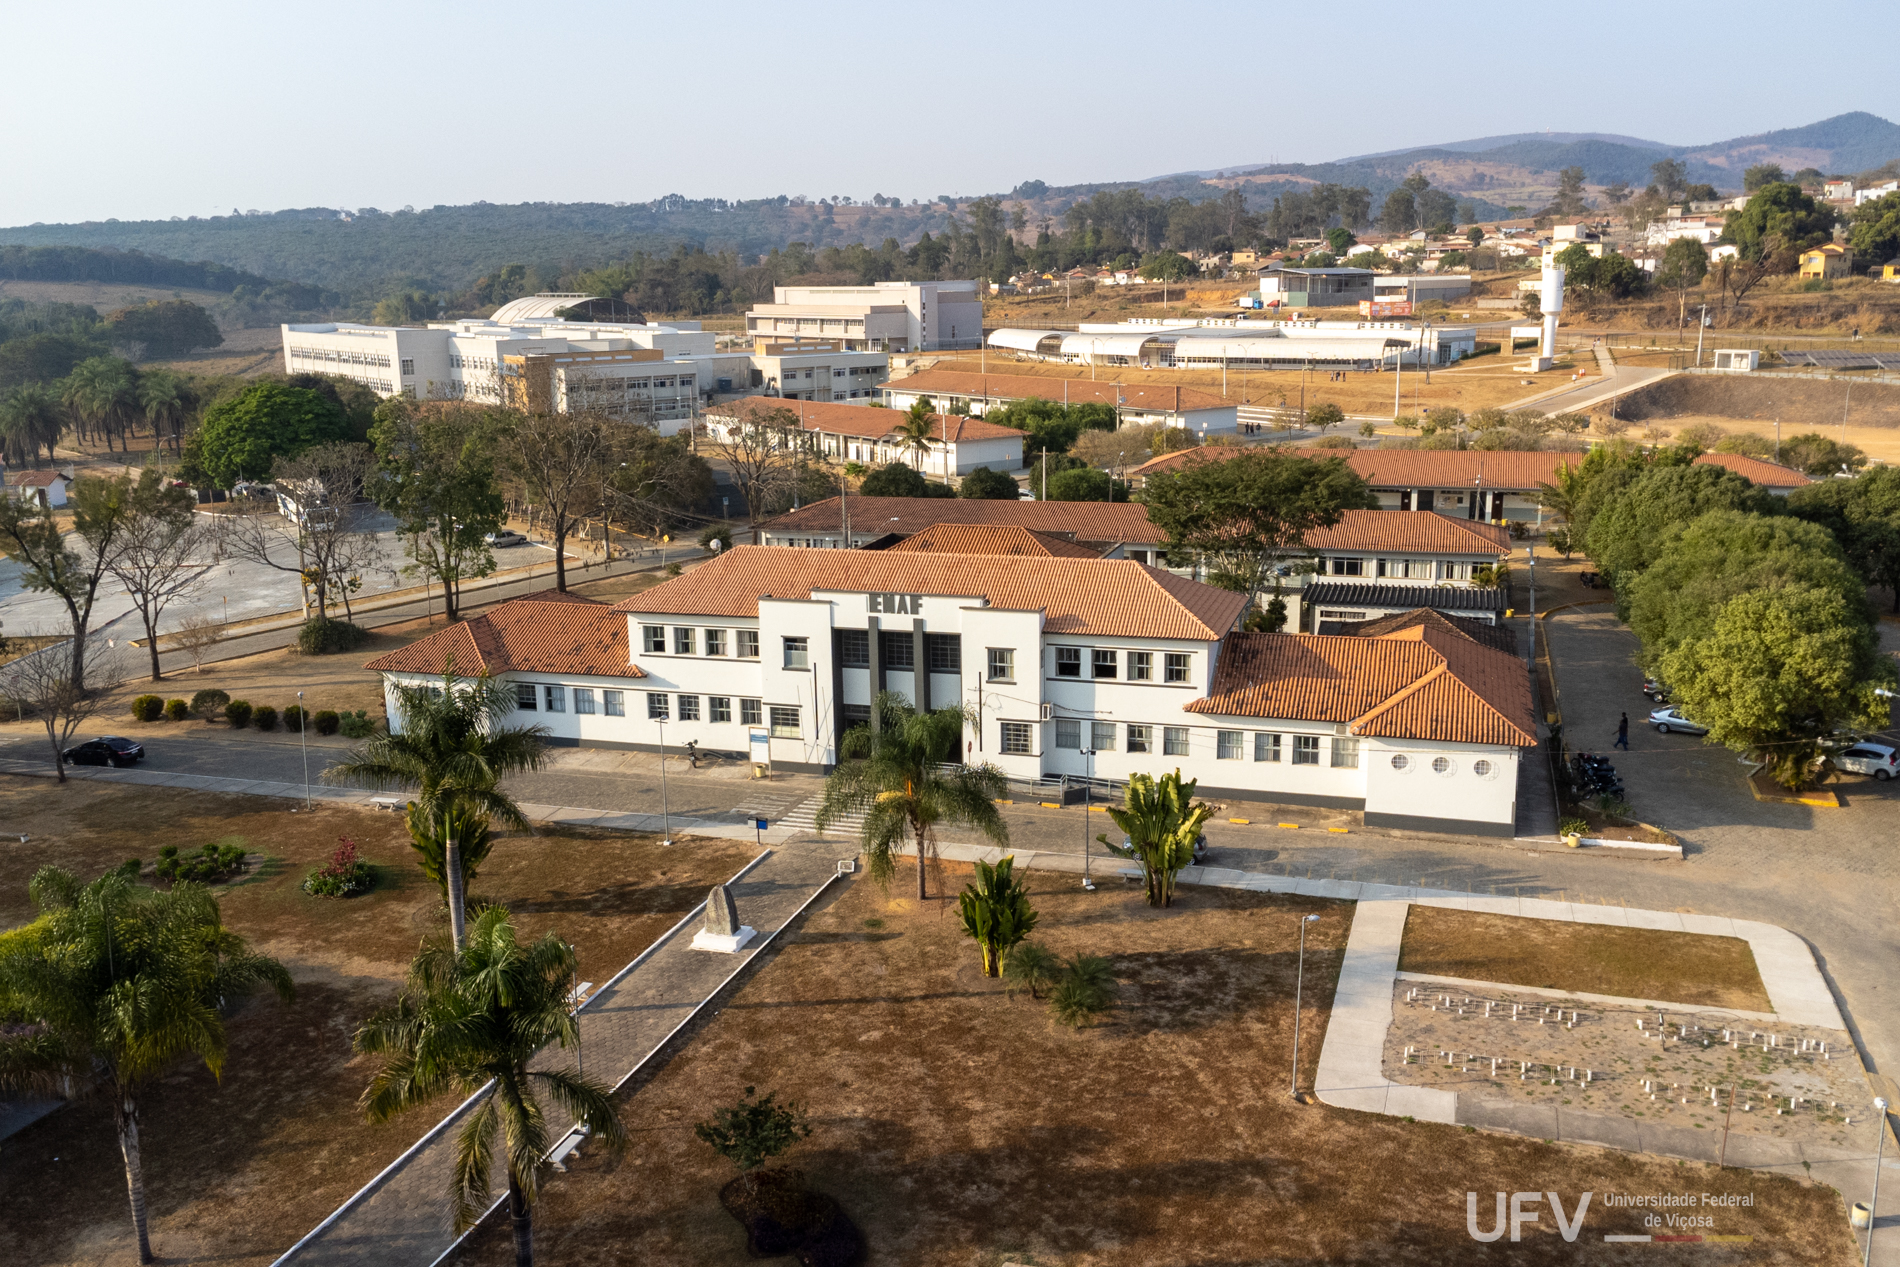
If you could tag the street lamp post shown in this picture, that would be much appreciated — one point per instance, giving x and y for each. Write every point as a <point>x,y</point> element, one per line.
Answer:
<point>1880,1153</point>
<point>666,819</point>
<point>1299,983</point>
<point>1088,881</point>
<point>303,740</point>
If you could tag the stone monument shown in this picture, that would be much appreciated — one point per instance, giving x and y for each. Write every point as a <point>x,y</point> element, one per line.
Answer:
<point>723,931</point>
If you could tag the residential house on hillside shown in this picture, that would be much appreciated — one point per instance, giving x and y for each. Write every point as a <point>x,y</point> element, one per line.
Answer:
<point>1070,667</point>
<point>46,488</point>
<point>1827,262</point>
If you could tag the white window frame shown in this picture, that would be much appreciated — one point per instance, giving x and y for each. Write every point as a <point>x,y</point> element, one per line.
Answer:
<point>1266,745</point>
<point>1018,738</point>
<point>685,639</point>
<point>1174,741</point>
<point>1001,664</point>
<point>1230,745</point>
<point>1306,750</point>
<point>554,699</point>
<point>1177,665</point>
<point>746,644</point>
<point>781,728</point>
<point>583,700</point>
<point>613,703</point>
<point>659,706</point>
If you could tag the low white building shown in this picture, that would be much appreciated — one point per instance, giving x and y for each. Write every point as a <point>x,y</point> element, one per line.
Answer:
<point>1107,530</point>
<point>1416,288</point>
<point>47,488</point>
<point>1213,343</point>
<point>774,653</point>
<point>1203,412</point>
<point>856,433</point>
<point>1374,563</point>
<point>882,317</point>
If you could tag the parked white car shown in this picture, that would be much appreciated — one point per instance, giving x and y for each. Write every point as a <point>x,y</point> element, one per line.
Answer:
<point>1876,759</point>
<point>1666,720</point>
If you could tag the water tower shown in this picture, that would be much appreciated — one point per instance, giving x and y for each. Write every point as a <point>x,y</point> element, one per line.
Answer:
<point>1551,300</point>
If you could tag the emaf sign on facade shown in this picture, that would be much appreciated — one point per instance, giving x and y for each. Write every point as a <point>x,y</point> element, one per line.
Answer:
<point>895,604</point>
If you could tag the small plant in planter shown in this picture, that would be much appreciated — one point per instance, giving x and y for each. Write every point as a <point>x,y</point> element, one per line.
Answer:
<point>1572,829</point>
<point>345,875</point>
<point>148,708</point>
<point>219,860</point>
<point>177,710</point>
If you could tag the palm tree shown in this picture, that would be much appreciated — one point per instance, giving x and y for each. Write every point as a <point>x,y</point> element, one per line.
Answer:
<point>1161,819</point>
<point>115,983</point>
<point>29,421</point>
<point>165,398</point>
<point>448,744</point>
<point>913,433</point>
<point>897,774</point>
<point>472,1018</point>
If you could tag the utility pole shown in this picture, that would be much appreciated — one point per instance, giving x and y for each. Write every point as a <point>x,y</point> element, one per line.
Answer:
<point>1701,324</point>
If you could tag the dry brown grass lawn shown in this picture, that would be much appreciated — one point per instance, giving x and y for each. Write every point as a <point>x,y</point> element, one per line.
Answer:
<point>1630,963</point>
<point>962,1128</point>
<point>237,1170</point>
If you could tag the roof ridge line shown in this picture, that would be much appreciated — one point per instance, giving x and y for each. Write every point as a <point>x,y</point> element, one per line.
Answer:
<point>1409,689</point>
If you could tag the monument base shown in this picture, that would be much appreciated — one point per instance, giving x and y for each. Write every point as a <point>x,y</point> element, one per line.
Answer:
<point>1538,364</point>
<point>724,943</point>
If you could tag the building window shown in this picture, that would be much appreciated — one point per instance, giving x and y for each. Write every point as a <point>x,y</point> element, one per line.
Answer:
<point>1445,766</point>
<point>653,638</point>
<point>784,722</point>
<point>1481,769</point>
<point>1401,762</point>
<point>689,708</point>
<point>1018,739</point>
<point>897,650</point>
<point>797,653</point>
<point>524,695</point>
<point>554,698</point>
<point>1266,746</point>
<point>1177,666</point>
<point>1174,741</point>
<point>750,713</point>
<point>408,368</point>
<point>615,703</point>
<point>1068,733</point>
<point>584,699</point>
<point>1349,567</point>
<point>748,643</point>
<point>1068,662</point>
<point>721,706</point>
<point>1141,738</point>
<point>682,642</point>
<point>1102,736</point>
<point>1102,663</point>
<point>944,652</point>
<point>1345,753</point>
<point>657,709</point>
<point>1230,745</point>
<point>715,642</point>
<point>1306,750</point>
<point>1141,666</point>
<point>1002,664</point>
<point>854,648</point>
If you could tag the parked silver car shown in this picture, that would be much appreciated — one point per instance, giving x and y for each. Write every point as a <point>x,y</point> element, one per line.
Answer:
<point>506,537</point>
<point>1876,759</point>
<point>1666,720</point>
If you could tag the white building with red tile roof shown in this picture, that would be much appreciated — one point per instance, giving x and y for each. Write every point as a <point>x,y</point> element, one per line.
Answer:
<point>858,433</point>
<point>1069,667</point>
<point>47,488</point>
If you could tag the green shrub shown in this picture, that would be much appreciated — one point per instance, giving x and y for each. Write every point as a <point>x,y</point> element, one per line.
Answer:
<point>264,717</point>
<point>293,718</point>
<point>148,708</point>
<point>357,725</point>
<point>1087,987</point>
<point>326,721</point>
<point>322,636</point>
<point>1031,967</point>
<point>219,860</point>
<point>209,703</point>
<point>1573,827</point>
<point>177,710</point>
<point>752,1132</point>
<point>238,713</point>
<point>346,873</point>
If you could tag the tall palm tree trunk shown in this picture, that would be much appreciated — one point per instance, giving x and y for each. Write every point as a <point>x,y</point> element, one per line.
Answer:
<point>125,1115</point>
<point>917,831</point>
<point>458,901</point>
<point>521,1215</point>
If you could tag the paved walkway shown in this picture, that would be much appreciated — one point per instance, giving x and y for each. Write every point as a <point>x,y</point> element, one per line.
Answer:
<point>400,1218</point>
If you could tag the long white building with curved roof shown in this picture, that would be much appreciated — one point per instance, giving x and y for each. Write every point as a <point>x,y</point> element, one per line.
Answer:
<point>1252,344</point>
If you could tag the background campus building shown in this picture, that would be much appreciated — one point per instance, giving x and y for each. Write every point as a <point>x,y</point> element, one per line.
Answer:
<point>883,317</point>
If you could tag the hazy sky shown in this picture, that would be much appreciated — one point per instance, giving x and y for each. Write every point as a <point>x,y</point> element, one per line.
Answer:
<point>141,111</point>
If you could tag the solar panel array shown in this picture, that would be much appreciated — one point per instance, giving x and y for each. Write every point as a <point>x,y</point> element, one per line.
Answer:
<point>1839,359</point>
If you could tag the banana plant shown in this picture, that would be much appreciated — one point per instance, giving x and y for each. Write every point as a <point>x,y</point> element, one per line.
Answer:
<point>1161,820</point>
<point>996,912</point>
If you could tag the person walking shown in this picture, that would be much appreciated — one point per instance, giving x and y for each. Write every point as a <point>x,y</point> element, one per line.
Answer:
<point>1623,733</point>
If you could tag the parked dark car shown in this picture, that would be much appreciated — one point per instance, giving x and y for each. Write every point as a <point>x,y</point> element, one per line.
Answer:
<point>1591,579</point>
<point>110,750</point>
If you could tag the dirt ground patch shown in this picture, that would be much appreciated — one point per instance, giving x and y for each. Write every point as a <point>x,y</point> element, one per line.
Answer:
<point>960,1127</point>
<point>1821,405</point>
<point>237,1171</point>
<point>1630,963</point>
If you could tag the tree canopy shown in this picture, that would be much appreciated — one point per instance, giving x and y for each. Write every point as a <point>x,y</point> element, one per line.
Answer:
<point>1779,218</point>
<point>1626,536</point>
<point>983,484</point>
<point>163,328</point>
<point>1875,232</point>
<point>240,437</point>
<point>1863,514</point>
<point>896,479</point>
<point>1251,511</point>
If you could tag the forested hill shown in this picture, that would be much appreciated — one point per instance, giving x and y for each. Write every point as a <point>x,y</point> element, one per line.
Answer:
<point>448,248</point>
